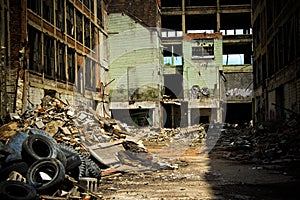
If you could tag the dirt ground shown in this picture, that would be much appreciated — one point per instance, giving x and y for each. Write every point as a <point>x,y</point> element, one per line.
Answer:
<point>205,176</point>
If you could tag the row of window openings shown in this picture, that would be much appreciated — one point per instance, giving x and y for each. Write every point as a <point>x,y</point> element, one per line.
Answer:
<point>46,6</point>
<point>173,33</point>
<point>49,63</point>
<point>230,59</point>
<point>82,23</point>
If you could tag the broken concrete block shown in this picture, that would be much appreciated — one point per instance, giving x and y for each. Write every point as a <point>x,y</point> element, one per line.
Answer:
<point>39,124</point>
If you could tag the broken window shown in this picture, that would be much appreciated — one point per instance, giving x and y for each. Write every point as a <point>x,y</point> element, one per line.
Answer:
<point>89,4</point>
<point>35,6</point>
<point>93,37</point>
<point>79,27</point>
<point>35,44</point>
<point>71,65</point>
<point>168,3</point>
<point>70,19</point>
<point>200,3</point>
<point>48,56</point>
<point>87,33</point>
<point>60,54</point>
<point>99,11</point>
<point>202,49</point>
<point>89,73</point>
<point>59,11</point>
<point>298,34</point>
<point>48,11</point>
<point>80,79</point>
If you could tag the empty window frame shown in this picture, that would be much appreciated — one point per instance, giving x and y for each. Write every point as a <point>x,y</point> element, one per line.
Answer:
<point>202,49</point>
<point>89,4</point>
<point>48,12</point>
<point>48,56</point>
<point>99,11</point>
<point>93,35</point>
<point>79,34</point>
<point>35,44</point>
<point>60,14</point>
<point>88,73</point>
<point>70,19</point>
<point>35,6</point>
<point>71,65</point>
<point>60,60</point>
<point>87,32</point>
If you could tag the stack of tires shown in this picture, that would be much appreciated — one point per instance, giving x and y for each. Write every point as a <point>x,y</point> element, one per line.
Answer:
<point>44,163</point>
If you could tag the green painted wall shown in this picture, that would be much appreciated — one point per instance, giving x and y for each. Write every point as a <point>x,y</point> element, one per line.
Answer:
<point>135,60</point>
<point>204,73</point>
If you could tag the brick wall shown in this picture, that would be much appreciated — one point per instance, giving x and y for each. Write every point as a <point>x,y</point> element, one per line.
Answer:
<point>17,27</point>
<point>146,10</point>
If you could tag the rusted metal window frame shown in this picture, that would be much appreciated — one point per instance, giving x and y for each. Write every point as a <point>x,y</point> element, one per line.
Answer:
<point>70,20</point>
<point>79,26</point>
<point>60,61</point>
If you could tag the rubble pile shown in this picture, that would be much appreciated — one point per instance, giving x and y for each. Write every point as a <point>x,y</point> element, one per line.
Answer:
<point>60,150</point>
<point>194,134</point>
<point>268,143</point>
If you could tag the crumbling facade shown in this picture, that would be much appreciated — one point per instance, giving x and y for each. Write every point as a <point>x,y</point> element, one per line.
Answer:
<point>55,48</point>
<point>184,69</point>
<point>233,61</point>
<point>135,63</point>
<point>276,34</point>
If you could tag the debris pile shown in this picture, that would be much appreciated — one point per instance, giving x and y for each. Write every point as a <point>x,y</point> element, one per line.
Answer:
<point>268,143</point>
<point>61,150</point>
<point>193,135</point>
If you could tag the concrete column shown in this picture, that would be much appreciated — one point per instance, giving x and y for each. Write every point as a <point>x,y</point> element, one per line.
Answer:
<point>189,117</point>
<point>183,17</point>
<point>218,16</point>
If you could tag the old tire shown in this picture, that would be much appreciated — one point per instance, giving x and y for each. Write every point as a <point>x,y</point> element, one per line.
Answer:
<point>74,165</point>
<point>51,168</point>
<point>15,143</point>
<point>61,157</point>
<point>18,166</point>
<point>91,168</point>
<point>16,190</point>
<point>36,147</point>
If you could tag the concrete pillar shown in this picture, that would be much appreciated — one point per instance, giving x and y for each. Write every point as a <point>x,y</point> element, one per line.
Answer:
<point>156,116</point>
<point>218,16</point>
<point>189,116</point>
<point>183,17</point>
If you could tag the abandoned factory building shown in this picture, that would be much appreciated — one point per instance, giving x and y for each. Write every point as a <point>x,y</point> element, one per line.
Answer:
<point>163,63</point>
<point>180,62</point>
<point>54,48</point>
<point>276,33</point>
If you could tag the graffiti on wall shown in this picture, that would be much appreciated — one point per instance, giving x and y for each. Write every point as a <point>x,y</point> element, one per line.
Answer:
<point>196,92</point>
<point>243,92</point>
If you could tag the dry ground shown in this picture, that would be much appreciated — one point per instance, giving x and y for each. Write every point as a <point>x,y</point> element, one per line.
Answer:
<point>203,176</point>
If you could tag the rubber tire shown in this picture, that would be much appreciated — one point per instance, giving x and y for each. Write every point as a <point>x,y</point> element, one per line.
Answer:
<point>16,190</point>
<point>15,143</point>
<point>85,168</point>
<point>91,168</point>
<point>74,165</point>
<point>57,174</point>
<point>36,147</point>
<point>61,157</point>
<point>18,166</point>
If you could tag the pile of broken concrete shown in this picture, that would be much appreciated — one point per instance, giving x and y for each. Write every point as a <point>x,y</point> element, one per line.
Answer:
<point>60,150</point>
<point>268,142</point>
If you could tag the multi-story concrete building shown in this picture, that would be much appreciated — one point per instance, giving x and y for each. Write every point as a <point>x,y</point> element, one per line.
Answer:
<point>182,71</point>
<point>233,19</point>
<point>135,62</point>
<point>54,48</point>
<point>276,35</point>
